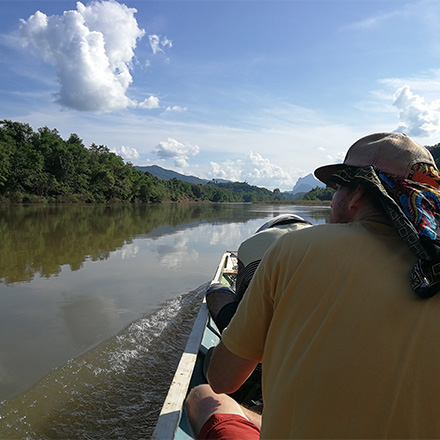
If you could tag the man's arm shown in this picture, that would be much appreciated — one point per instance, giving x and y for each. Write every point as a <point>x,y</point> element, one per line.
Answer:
<point>227,371</point>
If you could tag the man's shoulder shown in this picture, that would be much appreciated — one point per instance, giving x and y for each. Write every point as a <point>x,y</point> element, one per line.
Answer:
<point>331,228</point>
<point>325,233</point>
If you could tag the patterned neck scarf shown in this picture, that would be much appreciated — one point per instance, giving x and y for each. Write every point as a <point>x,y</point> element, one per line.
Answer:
<point>413,206</point>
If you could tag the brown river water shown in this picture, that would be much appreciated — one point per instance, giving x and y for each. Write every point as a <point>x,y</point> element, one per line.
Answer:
<point>96,303</point>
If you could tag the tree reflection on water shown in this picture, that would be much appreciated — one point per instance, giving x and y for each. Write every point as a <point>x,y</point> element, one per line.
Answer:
<point>41,239</point>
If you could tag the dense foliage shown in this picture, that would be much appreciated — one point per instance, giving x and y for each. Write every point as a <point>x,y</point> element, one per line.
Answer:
<point>323,194</point>
<point>41,166</point>
<point>435,151</point>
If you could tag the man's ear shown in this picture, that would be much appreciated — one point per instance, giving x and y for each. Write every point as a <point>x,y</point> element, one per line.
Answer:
<point>356,197</point>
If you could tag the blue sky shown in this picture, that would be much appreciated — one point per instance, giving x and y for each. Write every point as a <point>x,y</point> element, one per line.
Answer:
<point>255,91</point>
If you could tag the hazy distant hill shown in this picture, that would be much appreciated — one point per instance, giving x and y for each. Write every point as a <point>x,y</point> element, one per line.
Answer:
<point>215,190</point>
<point>163,174</point>
<point>307,183</point>
<point>302,186</point>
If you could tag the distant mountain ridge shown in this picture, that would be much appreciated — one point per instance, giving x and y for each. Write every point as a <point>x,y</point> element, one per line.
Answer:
<point>163,174</point>
<point>303,185</point>
<point>306,184</point>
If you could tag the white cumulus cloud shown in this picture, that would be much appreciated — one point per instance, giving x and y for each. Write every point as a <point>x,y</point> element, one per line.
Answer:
<point>149,103</point>
<point>91,49</point>
<point>228,170</point>
<point>417,117</point>
<point>175,108</point>
<point>256,170</point>
<point>128,153</point>
<point>175,150</point>
<point>158,44</point>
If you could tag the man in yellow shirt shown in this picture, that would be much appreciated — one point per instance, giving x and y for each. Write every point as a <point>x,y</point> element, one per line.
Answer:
<point>339,314</point>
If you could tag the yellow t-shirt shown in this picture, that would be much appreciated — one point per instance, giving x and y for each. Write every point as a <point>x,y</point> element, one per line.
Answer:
<point>348,350</point>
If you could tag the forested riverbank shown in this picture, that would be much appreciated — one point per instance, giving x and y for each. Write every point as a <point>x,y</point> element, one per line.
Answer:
<point>41,167</point>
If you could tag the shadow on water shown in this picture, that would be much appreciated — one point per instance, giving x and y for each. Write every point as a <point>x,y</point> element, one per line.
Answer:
<point>113,391</point>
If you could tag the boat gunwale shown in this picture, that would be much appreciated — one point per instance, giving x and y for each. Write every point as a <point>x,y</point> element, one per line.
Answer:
<point>172,408</point>
<point>171,413</point>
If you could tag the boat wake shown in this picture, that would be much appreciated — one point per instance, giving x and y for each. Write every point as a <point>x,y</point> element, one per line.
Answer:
<point>113,391</point>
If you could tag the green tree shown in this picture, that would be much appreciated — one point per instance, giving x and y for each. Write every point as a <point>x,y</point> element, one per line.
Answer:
<point>80,179</point>
<point>323,194</point>
<point>435,151</point>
